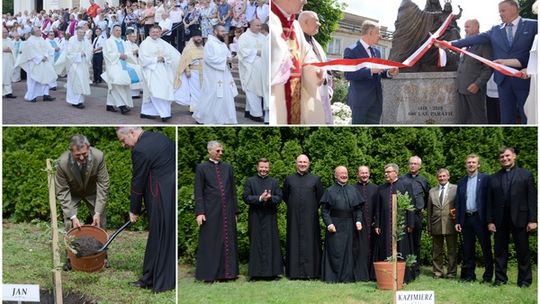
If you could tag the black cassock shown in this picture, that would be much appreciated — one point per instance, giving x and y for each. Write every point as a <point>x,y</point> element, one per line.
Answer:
<point>343,260</point>
<point>153,180</point>
<point>302,193</point>
<point>383,216</point>
<point>368,235</point>
<point>215,197</point>
<point>264,250</point>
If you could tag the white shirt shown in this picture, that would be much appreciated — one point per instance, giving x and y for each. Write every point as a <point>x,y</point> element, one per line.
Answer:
<point>514,27</point>
<point>176,15</point>
<point>366,47</point>
<point>166,26</point>
<point>250,11</point>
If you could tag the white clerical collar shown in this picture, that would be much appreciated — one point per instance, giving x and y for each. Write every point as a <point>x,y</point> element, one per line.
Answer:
<point>213,160</point>
<point>287,15</point>
<point>342,185</point>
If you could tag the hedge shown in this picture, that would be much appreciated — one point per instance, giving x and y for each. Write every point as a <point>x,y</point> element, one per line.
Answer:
<point>328,147</point>
<point>25,189</point>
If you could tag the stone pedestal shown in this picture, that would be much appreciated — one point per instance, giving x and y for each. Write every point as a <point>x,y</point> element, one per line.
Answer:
<point>420,98</point>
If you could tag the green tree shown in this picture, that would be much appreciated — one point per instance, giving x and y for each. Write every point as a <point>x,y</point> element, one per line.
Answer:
<point>330,12</point>
<point>525,10</point>
<point>7,6</point>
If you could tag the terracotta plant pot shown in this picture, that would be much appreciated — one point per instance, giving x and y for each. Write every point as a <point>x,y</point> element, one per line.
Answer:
<point>91,263</point>
<point>383,272</point>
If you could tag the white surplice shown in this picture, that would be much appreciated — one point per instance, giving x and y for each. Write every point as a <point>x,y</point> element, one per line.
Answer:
<point>158,76</point>
<point>251,69</point>
<point>8,63</point>
<point>78,78</point>
<point>281,63</point>
<point>118,80</point>
<point>216,105</point>
<point>35,59</point>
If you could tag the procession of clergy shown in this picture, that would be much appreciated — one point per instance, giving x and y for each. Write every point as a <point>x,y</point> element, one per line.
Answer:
<point>200,77</point>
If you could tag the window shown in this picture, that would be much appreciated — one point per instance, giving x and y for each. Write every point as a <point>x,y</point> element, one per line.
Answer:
<point>334,47</point>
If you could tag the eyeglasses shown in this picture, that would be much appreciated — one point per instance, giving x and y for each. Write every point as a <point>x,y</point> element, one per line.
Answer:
<point>389,171</point>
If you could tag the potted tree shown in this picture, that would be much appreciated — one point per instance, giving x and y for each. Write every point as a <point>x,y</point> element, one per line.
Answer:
<point>390,273</point>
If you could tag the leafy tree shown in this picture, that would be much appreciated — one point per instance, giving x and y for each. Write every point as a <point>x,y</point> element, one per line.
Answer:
<point>7,6</point>
<point>525,10</point>
<point>330,12</point>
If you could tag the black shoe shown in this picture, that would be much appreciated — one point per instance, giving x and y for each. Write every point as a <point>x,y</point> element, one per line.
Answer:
<point>9,96</point>
<point>67,265</point>
<point>256,119</point>
<point>33,100</point>
<point>48,98</point>
<point>524,285</point>
<point>53,89</point>
<point>165,119</point>
<point>139,284</point>
<point>135,97</point>
<point>147,116</point>
<point>246,114</point>
<point>111,109</point>
<point>124,110</point>
<point>78,106</point>
<point>498,283</point>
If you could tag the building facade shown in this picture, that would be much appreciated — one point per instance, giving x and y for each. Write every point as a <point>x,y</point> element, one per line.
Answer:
<point>348,34</point>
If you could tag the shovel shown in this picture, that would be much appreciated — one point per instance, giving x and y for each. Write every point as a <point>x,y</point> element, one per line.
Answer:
<point>116,233</point>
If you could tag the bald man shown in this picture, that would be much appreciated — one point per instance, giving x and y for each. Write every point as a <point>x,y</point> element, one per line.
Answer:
<point>471,80</point>
<point>302,192</point>
<point>341,210</point>
<point>294,86</point>
<point>319,112</point>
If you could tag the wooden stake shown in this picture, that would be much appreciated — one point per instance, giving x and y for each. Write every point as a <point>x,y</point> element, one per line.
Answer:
<point>394,245</point>
<point>57,275</point>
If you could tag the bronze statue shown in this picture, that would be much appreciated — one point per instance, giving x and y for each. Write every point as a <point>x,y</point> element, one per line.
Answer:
<point>413,26</point>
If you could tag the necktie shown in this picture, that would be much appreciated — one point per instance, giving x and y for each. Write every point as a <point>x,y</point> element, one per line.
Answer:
<point>441,195</point>
<point>509,33</point>
<point>372,52</point>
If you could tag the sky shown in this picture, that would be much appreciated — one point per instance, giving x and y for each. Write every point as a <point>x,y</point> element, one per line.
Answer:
<point>486,11</point>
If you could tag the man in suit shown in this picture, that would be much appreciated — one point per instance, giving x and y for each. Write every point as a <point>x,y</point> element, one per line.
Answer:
<point>471,219</point>
<point>441,224</point>
<point>82,176</point>
<point>368,190</point>
<point>365,90</point>
<point>471,80</point>
<point>420,191</point>
<point>512,208</point>
<point>512,39</point>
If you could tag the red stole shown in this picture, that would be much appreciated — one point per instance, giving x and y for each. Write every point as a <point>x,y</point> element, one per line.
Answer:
<point>293,85</point>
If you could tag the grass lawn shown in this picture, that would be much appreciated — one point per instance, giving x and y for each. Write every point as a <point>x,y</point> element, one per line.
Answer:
<point>302,292</point>
<point>27,259</point>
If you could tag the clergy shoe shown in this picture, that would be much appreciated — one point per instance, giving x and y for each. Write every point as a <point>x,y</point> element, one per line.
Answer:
<point>48,98</point>
<point>111,109</point>
<point>256,119</point>
<point>78,106</point>
<point>147,116</point>
<point>165,119</point>
<point>9,96</point>
<point>53,89</point>
<point>124,110</point>
<point>246,114</point>
<point>135,97</point>
<point>33,100</point>
<point>498,283</point>
<point>139,284</point>
<point>524,285</point>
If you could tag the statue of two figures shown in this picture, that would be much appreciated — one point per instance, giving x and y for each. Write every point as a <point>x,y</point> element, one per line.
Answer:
<point>413,28</point>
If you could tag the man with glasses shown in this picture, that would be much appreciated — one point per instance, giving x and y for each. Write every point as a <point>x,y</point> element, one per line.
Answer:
<point>383,218</point>
<point>216,209</point>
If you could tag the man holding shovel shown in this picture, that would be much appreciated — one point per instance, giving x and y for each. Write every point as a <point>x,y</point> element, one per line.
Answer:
<point>82,176</point>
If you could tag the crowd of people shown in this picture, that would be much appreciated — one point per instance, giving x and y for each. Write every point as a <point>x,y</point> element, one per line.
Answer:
<point>301,93</point>
<point>358,221</point>
<point>162,51</point>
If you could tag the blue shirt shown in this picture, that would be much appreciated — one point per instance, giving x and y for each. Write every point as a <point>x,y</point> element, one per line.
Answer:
<point>471,192</point>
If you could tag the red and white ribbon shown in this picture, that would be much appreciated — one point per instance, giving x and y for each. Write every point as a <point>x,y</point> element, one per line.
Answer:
<point>352,65</point>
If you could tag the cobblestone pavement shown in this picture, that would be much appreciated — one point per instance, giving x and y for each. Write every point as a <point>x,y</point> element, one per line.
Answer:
<point>59,112</point>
